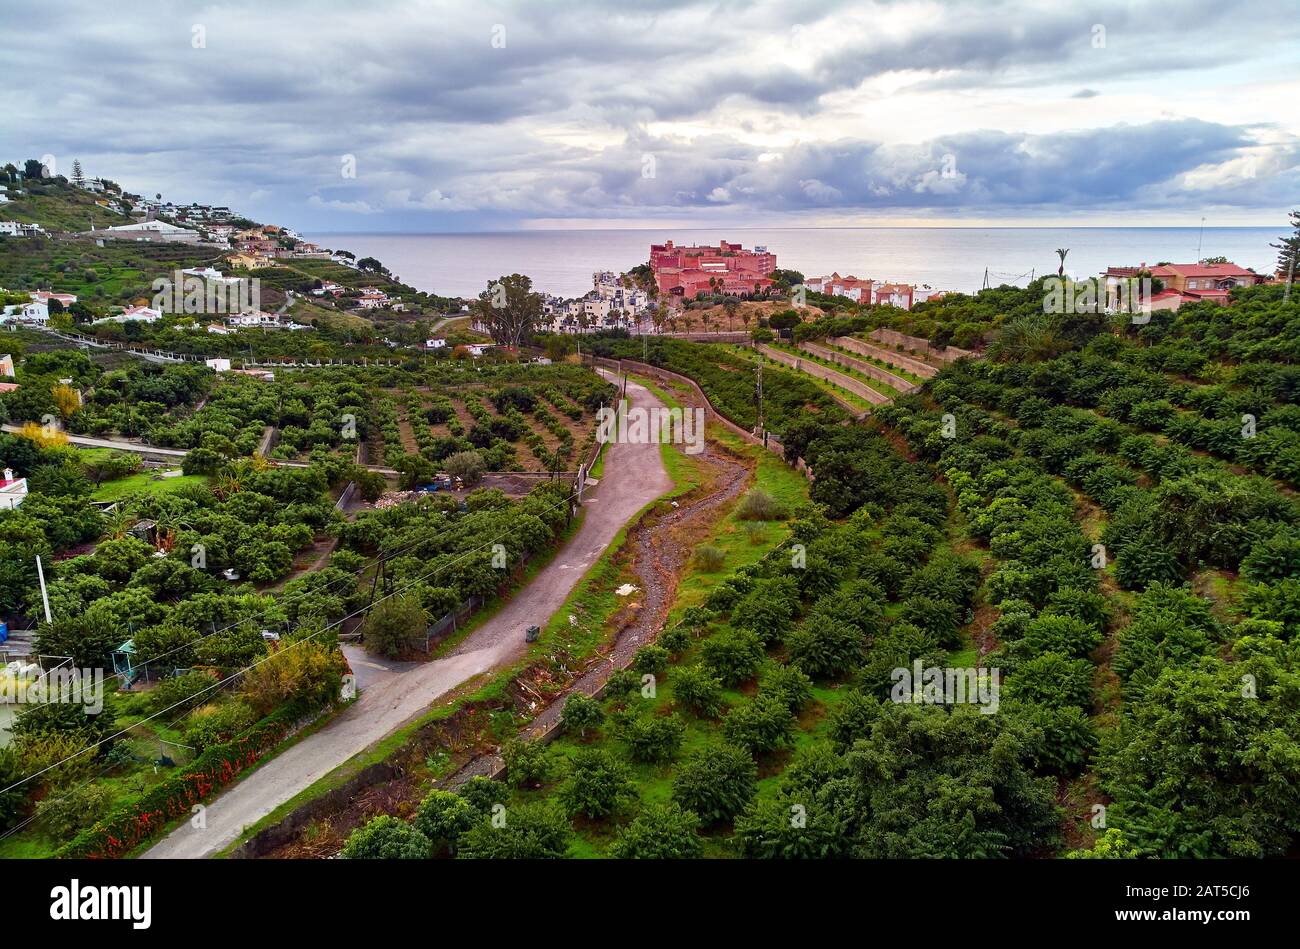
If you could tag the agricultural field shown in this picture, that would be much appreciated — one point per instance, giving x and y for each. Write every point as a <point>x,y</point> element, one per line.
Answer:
<point>1098,523</point>
<point>520,418</point>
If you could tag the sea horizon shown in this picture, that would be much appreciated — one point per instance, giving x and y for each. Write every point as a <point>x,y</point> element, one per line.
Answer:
<point>560,261</point>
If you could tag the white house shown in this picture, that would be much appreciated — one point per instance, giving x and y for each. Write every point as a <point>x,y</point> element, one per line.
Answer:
<point>19,229</point>
<point>26,313</point>
<point>7,365</point>
<point>153,230</point>
<point>220,365</point>
<point>435,344</point>
<point>254,318</point>
<point>371,299</point>
<point>211,273</point>
<point>134,314</point>
<point>12,490</point>
<point>219,329</point>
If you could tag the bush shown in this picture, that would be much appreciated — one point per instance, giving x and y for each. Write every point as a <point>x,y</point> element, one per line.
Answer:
<point>676,640</point>
<point>386,838</point>
<point>759,725</point>
<point>695,688</point>
<point>768,609</point>
<point>396,627</point>
<point>529,832</point>
<point>789,684</point>
<point>65,812</point>
<point>13,799</point>
<point>709,559</point>
<point>443,817</point>
<point>580,713</point>
<point>653,738</point>
<point>660,832</point>
<point>597,786</point>
<point>652,659</point>
<point>825,649</point>
<point>217,724</point>
<point>177,691</point>
<point>620,683</point>
<point>309,670</point>
<point>734,656</point>
<point>527,763</point>
<point>758,505</point>
<point>484,794</point>
<point>716,782</point>
<point>1060,634</point>
<point>466,465</point>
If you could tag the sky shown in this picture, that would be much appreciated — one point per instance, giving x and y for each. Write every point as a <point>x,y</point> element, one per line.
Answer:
<point>435,116</point>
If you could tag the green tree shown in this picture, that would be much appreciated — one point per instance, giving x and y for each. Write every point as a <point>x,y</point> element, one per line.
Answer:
<point>695,688</point>
<point>660,832</point>
<point>581,713</point>
<point>386,838</point>
<point>396,627</point>
<point>443,817</point>
<point>528,832</point>
<point>597,786</point>
<point>716,782</point>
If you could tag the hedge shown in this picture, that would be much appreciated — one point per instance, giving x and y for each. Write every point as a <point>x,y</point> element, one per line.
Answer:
<point>128,827</point>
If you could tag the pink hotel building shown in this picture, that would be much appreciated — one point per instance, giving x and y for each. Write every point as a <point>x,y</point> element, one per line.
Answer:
<point>727,268</point>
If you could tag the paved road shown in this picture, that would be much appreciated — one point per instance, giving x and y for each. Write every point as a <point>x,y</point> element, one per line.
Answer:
<point>151,451</point>
<point>634,476</point>
<point>90,442</point>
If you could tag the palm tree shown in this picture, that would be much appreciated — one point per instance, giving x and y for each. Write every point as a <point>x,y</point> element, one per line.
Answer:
<point>117,521</point>
<point>1061,252</point>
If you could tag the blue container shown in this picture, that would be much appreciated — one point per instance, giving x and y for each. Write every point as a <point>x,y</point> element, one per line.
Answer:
<point>4,632</point>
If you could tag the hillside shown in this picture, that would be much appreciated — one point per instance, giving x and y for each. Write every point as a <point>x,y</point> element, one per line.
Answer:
<point>58,205</point>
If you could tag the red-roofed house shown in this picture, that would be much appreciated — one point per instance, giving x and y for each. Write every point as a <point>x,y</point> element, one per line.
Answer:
<point>12,490</point>
<point>42,296</point>
<point>893,294</point>
<point>1186,283</point>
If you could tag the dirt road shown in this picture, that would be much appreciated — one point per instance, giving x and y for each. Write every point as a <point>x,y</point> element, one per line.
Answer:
<point>634,475</point>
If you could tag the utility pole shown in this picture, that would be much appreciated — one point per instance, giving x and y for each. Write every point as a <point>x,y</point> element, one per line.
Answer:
<point>762,429</point>
<point>45,596</point>
<point>986,278</point>
<point>1200,238</point>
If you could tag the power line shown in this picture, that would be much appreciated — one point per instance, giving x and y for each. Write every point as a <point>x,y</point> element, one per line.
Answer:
<point>268,657</point>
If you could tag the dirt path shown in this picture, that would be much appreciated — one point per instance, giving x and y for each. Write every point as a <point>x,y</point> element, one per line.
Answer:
<point>634,476</point>
<point>660,547</point>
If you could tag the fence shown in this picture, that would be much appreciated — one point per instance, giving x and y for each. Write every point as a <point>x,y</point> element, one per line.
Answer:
<point>442,628</point>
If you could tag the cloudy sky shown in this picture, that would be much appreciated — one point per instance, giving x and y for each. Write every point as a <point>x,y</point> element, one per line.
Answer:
<point>460,116</point>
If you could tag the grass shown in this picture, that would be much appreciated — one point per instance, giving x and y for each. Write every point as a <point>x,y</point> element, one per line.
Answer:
<point>144,483</point>
<point>882,387</point>
<point>844,396</point>
<point>875,361</point>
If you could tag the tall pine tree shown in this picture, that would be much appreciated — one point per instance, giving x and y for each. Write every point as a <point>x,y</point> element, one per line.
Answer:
<point>1288,248</point>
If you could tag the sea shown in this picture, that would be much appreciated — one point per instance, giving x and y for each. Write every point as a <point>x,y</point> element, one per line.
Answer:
<point>561,262</point>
